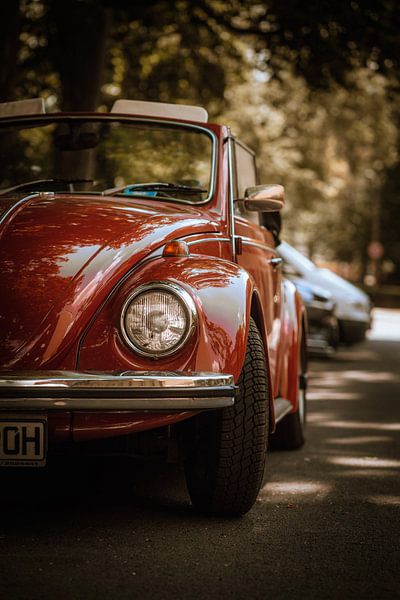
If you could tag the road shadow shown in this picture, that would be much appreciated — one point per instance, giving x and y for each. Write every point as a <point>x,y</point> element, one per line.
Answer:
<point>326,523</point>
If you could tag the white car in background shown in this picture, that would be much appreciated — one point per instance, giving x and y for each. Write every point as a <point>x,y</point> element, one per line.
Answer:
<point>353,306</point>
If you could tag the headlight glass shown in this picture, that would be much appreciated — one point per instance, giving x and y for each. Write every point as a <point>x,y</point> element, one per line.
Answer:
<point>359,306</point>
<point>158,319</point>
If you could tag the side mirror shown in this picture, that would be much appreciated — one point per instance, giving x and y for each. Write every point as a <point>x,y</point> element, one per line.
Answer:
<point>264,198</point>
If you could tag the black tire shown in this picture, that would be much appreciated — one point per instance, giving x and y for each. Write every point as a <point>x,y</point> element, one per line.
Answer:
<point>225,450</point>
<point>289,433</point>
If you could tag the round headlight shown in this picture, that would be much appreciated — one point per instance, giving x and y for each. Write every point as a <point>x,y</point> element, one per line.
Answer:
<point>158,319</point>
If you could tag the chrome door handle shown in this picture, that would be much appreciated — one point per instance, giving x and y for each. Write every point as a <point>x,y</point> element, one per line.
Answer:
<point>275,262</point>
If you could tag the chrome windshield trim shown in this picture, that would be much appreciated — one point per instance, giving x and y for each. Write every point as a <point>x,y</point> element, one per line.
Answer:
<point>14,208</point>
<point>231,195</point>
<point>113,117</point>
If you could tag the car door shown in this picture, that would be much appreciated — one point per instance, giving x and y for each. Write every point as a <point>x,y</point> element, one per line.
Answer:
<point>258,255</point>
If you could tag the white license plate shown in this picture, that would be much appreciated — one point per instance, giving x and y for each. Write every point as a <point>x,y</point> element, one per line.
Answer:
<point>22,442</point>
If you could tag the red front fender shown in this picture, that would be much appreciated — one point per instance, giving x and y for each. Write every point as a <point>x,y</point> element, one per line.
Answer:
<point>298,320</point>
<point>222,292</point>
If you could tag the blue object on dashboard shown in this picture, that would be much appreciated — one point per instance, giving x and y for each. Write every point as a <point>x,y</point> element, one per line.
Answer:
<point>131,191</point>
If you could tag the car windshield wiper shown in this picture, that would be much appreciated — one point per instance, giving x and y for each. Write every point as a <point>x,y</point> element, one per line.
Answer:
<point>154,187</point>
<point>39,184</point>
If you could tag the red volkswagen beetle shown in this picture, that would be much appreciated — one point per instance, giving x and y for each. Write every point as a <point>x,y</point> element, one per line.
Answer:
<point>142,304</point>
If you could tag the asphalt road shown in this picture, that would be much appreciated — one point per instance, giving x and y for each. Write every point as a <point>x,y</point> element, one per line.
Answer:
<point>326,525</point>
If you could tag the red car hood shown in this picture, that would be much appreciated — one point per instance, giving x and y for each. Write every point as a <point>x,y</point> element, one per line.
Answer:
<point>61,254</point>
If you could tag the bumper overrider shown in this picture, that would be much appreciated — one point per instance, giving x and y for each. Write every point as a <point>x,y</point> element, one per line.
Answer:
<point>127,390</point>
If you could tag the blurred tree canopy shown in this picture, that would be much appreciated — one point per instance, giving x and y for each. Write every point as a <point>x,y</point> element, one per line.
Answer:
<point>313,87</point>
<point>330,149</point>
<point>158,47</point>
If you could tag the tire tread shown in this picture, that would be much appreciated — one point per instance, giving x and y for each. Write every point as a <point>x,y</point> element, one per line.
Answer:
<point>236,459</point>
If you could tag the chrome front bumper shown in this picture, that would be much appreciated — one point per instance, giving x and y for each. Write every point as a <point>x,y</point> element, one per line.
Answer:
<point>128,390</point>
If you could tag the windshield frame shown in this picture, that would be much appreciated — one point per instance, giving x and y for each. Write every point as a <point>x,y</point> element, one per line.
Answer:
<point>52,117</point>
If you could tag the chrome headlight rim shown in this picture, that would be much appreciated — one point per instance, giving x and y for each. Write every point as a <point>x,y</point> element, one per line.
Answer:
<point>187,304</point>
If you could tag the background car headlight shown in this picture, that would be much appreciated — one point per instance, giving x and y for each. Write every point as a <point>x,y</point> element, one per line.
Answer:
<point>158,319</point>
<point>362,306</point>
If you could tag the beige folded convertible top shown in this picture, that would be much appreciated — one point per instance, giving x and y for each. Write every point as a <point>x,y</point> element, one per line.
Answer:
<point>161,109</point>
<point>33,106</point>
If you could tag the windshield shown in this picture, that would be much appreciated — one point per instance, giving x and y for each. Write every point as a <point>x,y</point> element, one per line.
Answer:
<point>107,155</point>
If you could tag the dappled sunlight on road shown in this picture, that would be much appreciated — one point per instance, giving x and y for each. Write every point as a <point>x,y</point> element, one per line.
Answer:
<point>358,440</point>
<point>364,461</point>
<point>318,417</point>
<point>278,490</point>
<point>353,424</point>
<point>374,376</point>
<point>329,379</point>
<point>367,474</point>
<point>385,324</point>
<point>327,513</point>
<point>330,395</point>
<point>360,425</point>
<point>356,354</point>
<point>384,500</point>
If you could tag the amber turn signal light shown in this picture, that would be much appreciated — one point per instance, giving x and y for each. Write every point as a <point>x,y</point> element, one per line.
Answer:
<point>176,248</point>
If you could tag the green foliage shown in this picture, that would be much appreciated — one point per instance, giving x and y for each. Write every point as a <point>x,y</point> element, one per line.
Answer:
<point>330,149</point>
<point>320,39</point>
<point>312,87</point>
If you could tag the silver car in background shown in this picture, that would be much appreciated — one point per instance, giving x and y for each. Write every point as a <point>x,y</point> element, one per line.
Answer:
<point>353,306</point>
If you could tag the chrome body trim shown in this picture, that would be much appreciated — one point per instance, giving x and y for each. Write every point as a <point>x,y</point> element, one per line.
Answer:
<point>282,408</point>
<point>250,242</point>
<point>275,262</point>
<point>208,239</point>
<point>302,405</point>
<point>127,390</point>
<point>186,301</point>
<point>119,404</point>
<point>111,380</point>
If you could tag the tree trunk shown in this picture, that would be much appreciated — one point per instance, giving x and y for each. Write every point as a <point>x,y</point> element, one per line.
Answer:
<point>9,44</point>
<point>80,40</point>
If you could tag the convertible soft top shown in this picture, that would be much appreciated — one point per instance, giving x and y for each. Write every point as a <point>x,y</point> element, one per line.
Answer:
<point>36,106</point>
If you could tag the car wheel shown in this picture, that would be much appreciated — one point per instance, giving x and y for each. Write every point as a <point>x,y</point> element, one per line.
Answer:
<point>289,433</point>
<point>226,450</point>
